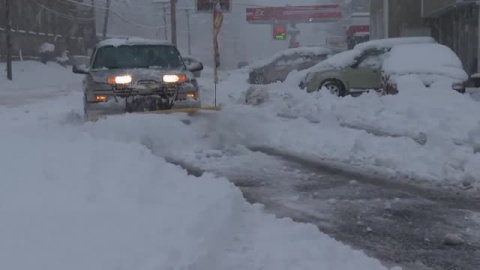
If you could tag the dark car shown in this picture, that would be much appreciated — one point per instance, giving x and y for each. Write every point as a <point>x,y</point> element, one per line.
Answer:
<point>278,67</point>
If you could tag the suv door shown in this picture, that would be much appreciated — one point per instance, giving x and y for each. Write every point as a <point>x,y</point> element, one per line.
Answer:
<point>366,73</point>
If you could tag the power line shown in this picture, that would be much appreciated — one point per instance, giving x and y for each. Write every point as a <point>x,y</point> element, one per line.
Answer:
<point>62,15</point>
<point>116,14</point>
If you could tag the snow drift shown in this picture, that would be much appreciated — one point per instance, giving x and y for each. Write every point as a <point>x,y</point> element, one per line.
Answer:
<point>422,133</point>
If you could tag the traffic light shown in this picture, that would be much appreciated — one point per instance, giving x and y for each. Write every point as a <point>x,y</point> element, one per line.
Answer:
<point>279,31</point>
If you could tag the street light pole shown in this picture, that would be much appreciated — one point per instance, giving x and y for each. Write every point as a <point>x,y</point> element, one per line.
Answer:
<point>8,29</point>
<point>188,32</point>
<point>165,29</point>
<point>105,22</point>
<point>173,22</point>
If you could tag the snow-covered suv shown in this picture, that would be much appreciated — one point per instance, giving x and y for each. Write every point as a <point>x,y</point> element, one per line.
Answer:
<point>357,70</point>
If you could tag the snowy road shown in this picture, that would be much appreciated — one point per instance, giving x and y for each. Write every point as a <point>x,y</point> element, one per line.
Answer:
<point>88,178</point>
<point>394,223</point>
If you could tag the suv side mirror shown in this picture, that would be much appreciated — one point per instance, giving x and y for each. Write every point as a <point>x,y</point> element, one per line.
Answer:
<point>195,67</point>
<point>80,69</point>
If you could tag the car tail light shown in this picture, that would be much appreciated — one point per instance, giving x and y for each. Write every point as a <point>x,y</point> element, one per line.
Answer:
<point>191,95</point>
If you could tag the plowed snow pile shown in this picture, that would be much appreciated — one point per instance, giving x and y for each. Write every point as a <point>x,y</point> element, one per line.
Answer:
<point>93,196</point>
<point>422,133</point>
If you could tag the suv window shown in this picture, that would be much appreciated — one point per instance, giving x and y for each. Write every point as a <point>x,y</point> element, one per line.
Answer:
<point>138,56</point>
<point>371,60</point>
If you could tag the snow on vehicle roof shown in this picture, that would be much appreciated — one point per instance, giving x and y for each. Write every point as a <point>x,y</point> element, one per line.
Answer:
<point>390,42</point>
<point>434,59</point>
<point>315,50</point>
<point>131,42</point>
<point>347,58</point>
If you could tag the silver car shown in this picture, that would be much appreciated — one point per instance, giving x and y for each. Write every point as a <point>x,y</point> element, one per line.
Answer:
<point>279,66</point>
<point>136,75</point>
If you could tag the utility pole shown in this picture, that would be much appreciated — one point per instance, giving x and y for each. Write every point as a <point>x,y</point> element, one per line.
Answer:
<point>165,29</point>
<point>173,20</point>
<point>188,32</point>
<point>105,22</point>
<point>8,8</point>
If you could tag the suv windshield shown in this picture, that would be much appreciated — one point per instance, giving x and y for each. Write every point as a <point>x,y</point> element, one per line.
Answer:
<point>138,56</point>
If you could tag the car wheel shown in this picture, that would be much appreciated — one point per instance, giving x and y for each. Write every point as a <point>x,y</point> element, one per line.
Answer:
<point>334,87</point>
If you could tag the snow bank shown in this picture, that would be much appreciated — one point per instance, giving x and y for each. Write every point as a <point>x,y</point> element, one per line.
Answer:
<point>33,80</point>
<point>421,133</point>
<point>94,196</point>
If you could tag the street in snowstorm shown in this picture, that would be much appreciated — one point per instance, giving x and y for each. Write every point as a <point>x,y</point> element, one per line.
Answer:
<point>239,135</point>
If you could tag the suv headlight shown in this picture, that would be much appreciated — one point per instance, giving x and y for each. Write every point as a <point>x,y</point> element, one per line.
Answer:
<point>170,78</point>
<point>125,79</point>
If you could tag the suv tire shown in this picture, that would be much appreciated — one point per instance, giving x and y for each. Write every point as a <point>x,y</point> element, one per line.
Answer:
<point>335,87</point>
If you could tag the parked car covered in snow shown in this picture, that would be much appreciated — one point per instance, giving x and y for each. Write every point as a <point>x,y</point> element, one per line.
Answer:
<point>189,60</point>
<point>131,75</point>
<point>432,64</point>
<point>355,71</point>
<point>279,66</point>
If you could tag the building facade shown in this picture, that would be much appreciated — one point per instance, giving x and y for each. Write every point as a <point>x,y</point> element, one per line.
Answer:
<point>456,25</point>
<point>66,24</point>
<point>396,18</point>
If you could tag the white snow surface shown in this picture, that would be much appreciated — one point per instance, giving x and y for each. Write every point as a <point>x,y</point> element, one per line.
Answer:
<point>33,80</point>
<point>101,196</point>
<point>424,59</point>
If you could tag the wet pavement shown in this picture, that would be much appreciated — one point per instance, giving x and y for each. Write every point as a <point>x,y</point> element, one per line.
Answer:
<point>398,225</point>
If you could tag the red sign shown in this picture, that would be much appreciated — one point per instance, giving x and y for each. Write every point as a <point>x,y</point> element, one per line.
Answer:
<point>352,29</point>
<point>295,14</point>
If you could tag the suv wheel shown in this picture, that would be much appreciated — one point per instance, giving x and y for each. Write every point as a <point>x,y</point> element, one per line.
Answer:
<point>334,86</point>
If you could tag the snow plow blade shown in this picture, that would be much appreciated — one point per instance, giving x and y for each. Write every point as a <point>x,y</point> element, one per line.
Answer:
<point>183,110</point>
<point>190,111</point>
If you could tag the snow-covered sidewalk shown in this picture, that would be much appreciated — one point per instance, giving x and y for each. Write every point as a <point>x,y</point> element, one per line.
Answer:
<point>33,80</point>
<point>101,196</point>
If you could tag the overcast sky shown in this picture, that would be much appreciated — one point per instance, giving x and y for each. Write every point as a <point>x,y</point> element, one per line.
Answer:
<point>238,40</point>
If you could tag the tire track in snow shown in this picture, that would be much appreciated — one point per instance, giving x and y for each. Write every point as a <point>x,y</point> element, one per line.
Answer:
<point>396,223</point>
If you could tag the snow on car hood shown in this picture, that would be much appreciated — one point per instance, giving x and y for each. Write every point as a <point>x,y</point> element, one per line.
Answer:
<point>425,60</point>
<point>101,76</point>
